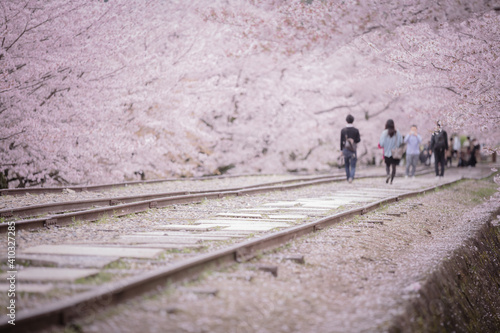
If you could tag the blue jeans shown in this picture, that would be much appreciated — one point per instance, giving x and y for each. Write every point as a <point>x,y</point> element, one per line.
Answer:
<point>350,159</point>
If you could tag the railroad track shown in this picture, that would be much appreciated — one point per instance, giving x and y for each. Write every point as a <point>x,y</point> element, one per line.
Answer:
<point>292,218</point>
<point>100,187</point>
<point>63,213</point>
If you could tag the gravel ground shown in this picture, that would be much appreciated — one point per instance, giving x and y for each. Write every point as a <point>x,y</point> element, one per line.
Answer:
<point>357,275</point>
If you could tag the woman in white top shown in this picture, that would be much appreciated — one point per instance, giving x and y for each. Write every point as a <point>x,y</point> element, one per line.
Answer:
<point>390,138</point>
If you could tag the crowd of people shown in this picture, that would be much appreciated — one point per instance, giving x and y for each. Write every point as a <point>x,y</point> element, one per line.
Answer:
<point>395,146</point>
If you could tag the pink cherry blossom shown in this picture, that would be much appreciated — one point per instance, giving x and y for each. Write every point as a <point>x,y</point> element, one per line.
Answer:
<point>92,91</point>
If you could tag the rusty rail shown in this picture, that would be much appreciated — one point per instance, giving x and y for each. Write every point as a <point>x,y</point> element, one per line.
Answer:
<point>101,187</point>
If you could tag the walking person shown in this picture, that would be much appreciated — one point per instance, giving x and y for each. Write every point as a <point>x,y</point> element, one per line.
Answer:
<point>439,145</point>
<point>456,148</point>
<point>390,139</point>
<point>466,151</point>
<point>449,154</point>
<point>349,138</point>
<point>474,150</point>
<point>425,154</point>
<point>413,141</point>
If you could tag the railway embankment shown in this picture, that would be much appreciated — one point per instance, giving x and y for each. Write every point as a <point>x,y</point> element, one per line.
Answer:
<point>463,295</point>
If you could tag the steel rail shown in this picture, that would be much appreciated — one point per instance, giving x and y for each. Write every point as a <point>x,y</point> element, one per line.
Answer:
<point>59,207</point>
<point>95,214</point>
<point>97,187</point>
<point>101,187</point>
<point>63,312</point>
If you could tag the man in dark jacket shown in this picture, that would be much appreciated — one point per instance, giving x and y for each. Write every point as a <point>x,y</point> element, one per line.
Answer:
<point>349,138</point>
<point>439,145</point>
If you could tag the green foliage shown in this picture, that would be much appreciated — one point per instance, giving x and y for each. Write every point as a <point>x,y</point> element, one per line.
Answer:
<point>119,264</point>
<point>484,192</point>
<point>103,220</point>
<point>74,328</point>
<point>100,278</point>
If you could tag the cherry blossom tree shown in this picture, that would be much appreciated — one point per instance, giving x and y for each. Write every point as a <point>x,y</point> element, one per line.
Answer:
<point>456,68</point>
<point>92,91</point>
<point>445,53</point>
<point>81,86</point>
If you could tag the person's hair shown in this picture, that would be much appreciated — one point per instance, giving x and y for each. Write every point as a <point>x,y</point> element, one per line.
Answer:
<point>349,119</point>
<point>414,126</point>
<point>389,126</point>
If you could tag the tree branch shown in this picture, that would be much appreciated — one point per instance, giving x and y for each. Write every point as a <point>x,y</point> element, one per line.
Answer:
<point>108,74</point>
<point>368,116</point>
<point>88,28</point>
<point>441,69</point>
<point>12,135</point>
<point>26,29</point>
<point>337,107</point>
<point>18,37</point>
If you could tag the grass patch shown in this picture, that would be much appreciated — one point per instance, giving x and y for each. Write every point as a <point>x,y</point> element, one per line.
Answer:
<point>119,264</point>
<point>491,178</point>
<point>100,278</point>
<point>73,328</point>
<point>76,223</point>
<point>184,250</point>
<point>483,193</point>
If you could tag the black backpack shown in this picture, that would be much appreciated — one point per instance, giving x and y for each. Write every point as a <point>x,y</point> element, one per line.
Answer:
<point>350,144</point>
<point>440,141</point>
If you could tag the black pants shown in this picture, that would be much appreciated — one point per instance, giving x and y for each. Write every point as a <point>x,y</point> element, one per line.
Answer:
<point>439,159</point>
<point>390,162</point>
